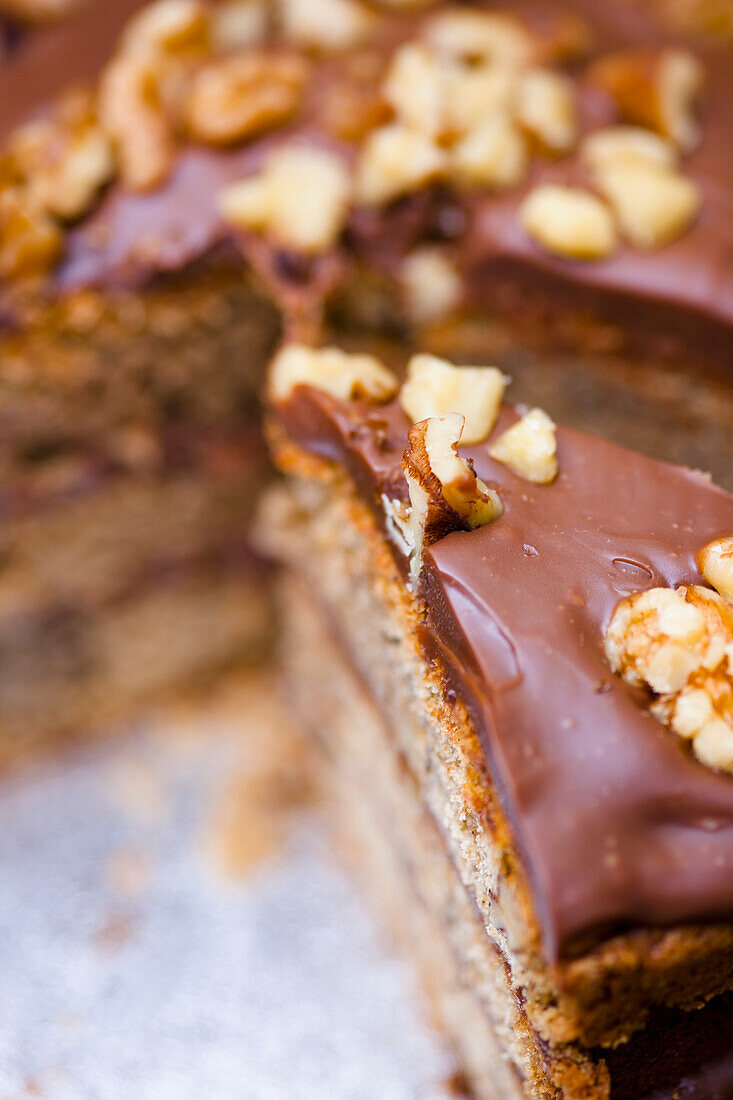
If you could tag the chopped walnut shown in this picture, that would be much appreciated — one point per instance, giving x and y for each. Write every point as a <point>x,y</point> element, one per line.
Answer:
<point>177,27</point>
<point>328,25</point>
<point>64,159</point>
<point>716,565</point>
<point>300,199</point>
<point>546,109</point>
<point>30,241</point>
<point>658,89</point>
<point>394,161</point>
<point>435,387</point>
<point>239,96</point>
<point>616,144</point>
<point>472,36</point>
<point>529,447</point>
<point>133,116</point>
<point>569,222</point>
<point>431,284</point>
<point>445,493</point>
<point>679,643</point>
<point>344,376</point>
<point>493,155</point>
<point>235,24</point>
<point>653,204</point>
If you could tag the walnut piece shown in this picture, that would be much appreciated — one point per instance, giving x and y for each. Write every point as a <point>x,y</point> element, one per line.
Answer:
<point>529,447</point>
<point>326,25</point>
<point>30,241</point>
<point>546,110</point>
<point>445,493</point>
<point>300,199</point>
<point>235,24</point>
<point>679,643</point>
<point>653,204</point>
<point>336,372</point>
<point>64,159</point>
<point>716,565</point>
<point>568,221</point>
<point>394,161</point>
<point>175,27</point>
<point>435,387</point>
<point>431,284</point>
<point>493,155</point>
<point>473,36</point>
<point>658,89</point>
<point>133,116</point>
<point>616,144</point>
<point>244,94</point>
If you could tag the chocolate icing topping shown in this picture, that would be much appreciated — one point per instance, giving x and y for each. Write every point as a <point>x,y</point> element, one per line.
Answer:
<point>684,292</point>
<point>619,825</point>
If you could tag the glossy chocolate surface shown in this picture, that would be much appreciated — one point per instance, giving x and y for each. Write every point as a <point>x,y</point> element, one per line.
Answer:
<point>618,824</point>
<point>677,296</point>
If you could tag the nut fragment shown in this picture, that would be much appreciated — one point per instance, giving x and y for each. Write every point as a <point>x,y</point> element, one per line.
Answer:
<point>493,155</point>
<point>658,89</point>
<point>568,221</point>
<point>679,643</point>
<point>235,24</point>
<point>168,26</point>
<point>242,95</point>
<point>394,161</point>
<point>434,387</point>
<point>653,204</point>
<point>546,109</point>
<point>133,116</point>
<point>431,284</point>
<point>344,376</point>
<point>481,36</point>
<point>64,159</point>
<point>445,493</point>
<point>300,199</point>
<point>30,241</point>
<point>716,565</point>
<point>529,447</point>
<point>327,25</point>
<point>615,144</point>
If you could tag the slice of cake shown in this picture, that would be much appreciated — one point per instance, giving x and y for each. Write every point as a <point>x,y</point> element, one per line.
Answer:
<point>514,644</point>
<point>181,181</point>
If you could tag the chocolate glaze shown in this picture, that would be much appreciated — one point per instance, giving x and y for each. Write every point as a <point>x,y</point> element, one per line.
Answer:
<point>618,824</point>
<point>678,296</point>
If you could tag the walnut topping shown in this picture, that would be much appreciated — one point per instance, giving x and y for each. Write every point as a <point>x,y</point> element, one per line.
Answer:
<point>716,565</point>
<point>493,155</point>
<point>529,447</point>
<point>168,26</point>
<point>615,144</point>
<point>431,284</point>
<point>546,109</point>
<point>133,115</point>
<point>568,221</point>
<point>327,25</point>
<point>239,96</point>
<point>300,199</point>
<point>445,493</point>
<point>30,241</point>
<point>472,36</point>
<point>64,159</point>
<point>653,204</point>
<point>679,643</point>
<point>394,161</point>
<point>658,89</point>
<point>344,376</point>
<point>434,387</point>
<point>235,24</point>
